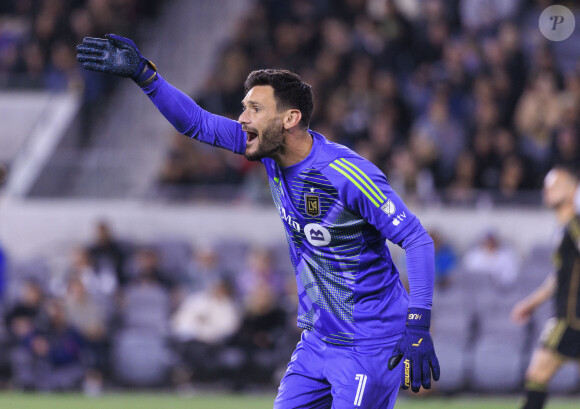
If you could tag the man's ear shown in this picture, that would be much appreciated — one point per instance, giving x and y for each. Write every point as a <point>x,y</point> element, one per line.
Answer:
<point>292,118</point>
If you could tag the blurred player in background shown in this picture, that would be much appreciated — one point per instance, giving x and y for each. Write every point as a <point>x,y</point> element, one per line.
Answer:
<point>338,210</point>
<point>560,340</point>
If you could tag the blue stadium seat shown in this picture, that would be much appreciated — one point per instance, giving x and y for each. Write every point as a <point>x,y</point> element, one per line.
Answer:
<point>147,307</point>
<point>497,367</point>
<point>453,361</point>
<point>140,358</point>
<point>174,256</point>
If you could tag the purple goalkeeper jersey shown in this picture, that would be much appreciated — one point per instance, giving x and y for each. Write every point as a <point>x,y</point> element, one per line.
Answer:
<point>338,210</point>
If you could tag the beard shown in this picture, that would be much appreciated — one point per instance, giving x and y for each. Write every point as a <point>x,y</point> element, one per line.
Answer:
<point>271,141</point>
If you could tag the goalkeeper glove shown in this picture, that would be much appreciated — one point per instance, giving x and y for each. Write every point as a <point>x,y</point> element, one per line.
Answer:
<point>416,347</point>
<point>118,56</point>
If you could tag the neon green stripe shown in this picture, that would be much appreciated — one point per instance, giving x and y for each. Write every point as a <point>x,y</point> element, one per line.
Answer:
<point>333,166</point>
<point>348,248</point>
<point>336,343</point>
<point>352,172</point>
<point>342,336</point>
<point>366,177</point>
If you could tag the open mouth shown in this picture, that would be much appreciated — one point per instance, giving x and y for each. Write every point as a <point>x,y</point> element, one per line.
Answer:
<point>251,136</point>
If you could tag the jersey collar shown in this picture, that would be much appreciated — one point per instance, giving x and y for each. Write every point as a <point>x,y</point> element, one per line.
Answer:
<point>293,170</point>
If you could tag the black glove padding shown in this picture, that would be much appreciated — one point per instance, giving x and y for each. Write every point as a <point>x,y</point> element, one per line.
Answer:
<point>115,55</point>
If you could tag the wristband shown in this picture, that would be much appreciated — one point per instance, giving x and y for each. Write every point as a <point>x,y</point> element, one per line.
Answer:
<point>419,317</point>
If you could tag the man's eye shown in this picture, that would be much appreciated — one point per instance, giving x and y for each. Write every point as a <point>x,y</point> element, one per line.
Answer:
<point>256,109</point>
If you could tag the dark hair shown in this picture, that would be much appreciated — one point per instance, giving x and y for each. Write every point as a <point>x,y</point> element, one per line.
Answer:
<point>289,90</point>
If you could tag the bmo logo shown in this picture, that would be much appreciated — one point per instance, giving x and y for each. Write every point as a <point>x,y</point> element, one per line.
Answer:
<point>317,235</point>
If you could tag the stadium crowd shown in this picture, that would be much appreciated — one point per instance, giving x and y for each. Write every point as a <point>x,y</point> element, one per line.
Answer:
<point>37,40</point>
<point>146,315</point>
<point>448,97</point>
<point>445,96</point>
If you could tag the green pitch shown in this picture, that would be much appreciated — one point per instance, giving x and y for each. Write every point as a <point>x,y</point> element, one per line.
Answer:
<point>229,401</point>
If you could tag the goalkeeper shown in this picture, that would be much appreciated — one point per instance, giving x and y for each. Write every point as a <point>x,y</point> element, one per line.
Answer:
<point>338,210</point>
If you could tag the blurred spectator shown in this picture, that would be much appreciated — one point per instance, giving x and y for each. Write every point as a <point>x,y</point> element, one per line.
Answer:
<point>261,333</point>
<point>63,71</point>
<point>37,39</point>
<point>204,270</point>
<point>537,115</point>
<point>146,300</point>
<point>487,166</point>
<point>493,258</point>
<point>566,146</point>
<point>88,317</point>
<point>101,282</point>
<point>148,269</point>
<point>83,313</point>
<point>202,327</point>
<point>208,316</point>
<point>407,177</point>
<point>437,140</point>
<point>260,272</point>
<point>3,175</point>
<point>3,269</point>
<point>445,260</point>
<point>22,320</point>
<point>512,178</point>
<point>482,16</point>
<point>108,252</point>
<point>50,359</point>
<point>26,313</point>
<point>179,159</point>
<point>461,188</point>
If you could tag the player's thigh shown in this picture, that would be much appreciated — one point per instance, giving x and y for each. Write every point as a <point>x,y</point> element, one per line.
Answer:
<point>361,379</point>
<point>299,391</point>
<point>304,384</point>
<point>544,364</point>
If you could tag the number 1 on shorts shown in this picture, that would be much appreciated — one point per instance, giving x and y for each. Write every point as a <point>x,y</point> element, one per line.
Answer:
<point>362,381</point>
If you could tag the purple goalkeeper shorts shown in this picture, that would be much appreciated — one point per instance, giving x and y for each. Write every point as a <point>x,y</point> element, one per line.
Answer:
<point>322,375</point>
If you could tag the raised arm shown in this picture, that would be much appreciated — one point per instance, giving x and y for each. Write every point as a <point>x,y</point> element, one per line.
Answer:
<point>189,119</point>
<point>120,56</point>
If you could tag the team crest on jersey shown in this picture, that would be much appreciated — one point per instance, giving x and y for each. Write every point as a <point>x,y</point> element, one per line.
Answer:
<point>389,208</point>
<point>312,205</point>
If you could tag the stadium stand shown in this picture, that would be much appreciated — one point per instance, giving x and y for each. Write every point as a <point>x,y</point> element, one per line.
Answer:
<point>453,110</point>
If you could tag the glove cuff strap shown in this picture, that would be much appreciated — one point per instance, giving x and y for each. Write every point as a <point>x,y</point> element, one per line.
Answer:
<point>148,73</point>
<point>419,317</point>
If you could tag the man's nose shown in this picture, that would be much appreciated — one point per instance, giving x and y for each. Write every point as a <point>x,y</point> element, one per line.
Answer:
<point>243,118</point>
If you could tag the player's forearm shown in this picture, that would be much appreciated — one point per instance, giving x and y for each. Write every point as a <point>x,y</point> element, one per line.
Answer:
<point>179,109</point>
<point>544,292</point>
<point>420,253</point>
<point>190,119</point>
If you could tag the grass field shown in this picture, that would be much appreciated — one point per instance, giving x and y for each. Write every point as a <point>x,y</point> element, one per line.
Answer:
<point>228,401</point>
